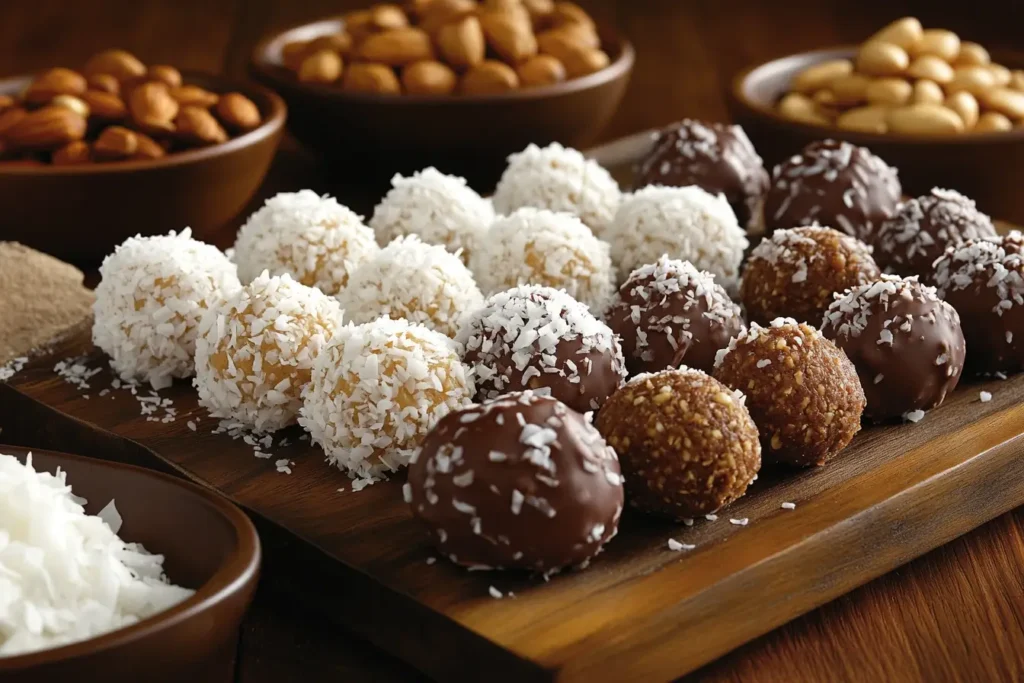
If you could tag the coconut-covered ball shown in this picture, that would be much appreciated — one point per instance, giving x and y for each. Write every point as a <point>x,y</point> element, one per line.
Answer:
<point>558,178</point>
<point>905,342</point>
<point>686,443</point>
<point>923,228</point>
<point>519,482</point>
<point>540,247</point>
<point>668,313</point>
<point>542,339</point>
<point>256,348</point>
<point>376,389</point>
<point>832,183</point>
<point>423,283</point>
<point>152,293</point>
<point>683,223</point>
<point>984,281</point>
<point>802,391</point>
<point>716,157</point>
<point>314,239</point>
<point>797,273</point>
<point>441,209</point>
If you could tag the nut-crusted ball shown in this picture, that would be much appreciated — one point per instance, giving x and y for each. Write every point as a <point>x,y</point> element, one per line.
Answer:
<point>905,342</point>
<point>668,313</point>
<point>716,157</point>
<point>376,389</point>
<point>835,184</point>
<point>984,281</point>
<point>686,443</point>
<point>923,228</point>
<point>796,273</point>
<point>801,390</point>
<point>518,482</point>
<point>314,239</point>
<point>542,339</point>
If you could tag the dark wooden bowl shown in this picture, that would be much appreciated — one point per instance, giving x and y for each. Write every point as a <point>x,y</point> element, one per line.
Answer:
<point>988,167</point>
<point>363,134</point>
<point>78,213</point>
<point>209,545</point>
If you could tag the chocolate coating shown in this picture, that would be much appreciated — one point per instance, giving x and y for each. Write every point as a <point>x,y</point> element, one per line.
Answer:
<point>716,157</point>
<point>686,444</point>
<point>905,342</point>
<point>835,184</point>
<point>922,229</point>
<point>801,390</point>
<point>542,339</point>
<point>669,313</point>
<point>796,273</point>
<point>520,482</point>
<point>984,281</point>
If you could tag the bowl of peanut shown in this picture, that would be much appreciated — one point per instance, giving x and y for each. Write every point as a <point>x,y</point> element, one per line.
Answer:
<point>456,84</point>
<point>939,108</point>
<point>92,155</point>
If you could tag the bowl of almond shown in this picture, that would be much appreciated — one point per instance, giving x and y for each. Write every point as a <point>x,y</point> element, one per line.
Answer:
<point>939,107</point>
<point>92,155</point>
<point>457,84</point>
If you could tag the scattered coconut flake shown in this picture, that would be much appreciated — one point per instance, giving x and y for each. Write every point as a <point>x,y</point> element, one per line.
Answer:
<point>914,415</point>
<point>739,522</point>
<point>495,593</point>
<point>789,506</point>
<point>673,544</point>
<point>985,397</point>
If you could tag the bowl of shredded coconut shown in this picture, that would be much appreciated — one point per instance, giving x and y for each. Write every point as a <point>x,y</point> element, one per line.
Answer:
<point>115,573</point>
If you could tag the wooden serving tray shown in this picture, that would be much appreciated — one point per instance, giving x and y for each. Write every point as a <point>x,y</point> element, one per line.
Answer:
<point>641,612</point>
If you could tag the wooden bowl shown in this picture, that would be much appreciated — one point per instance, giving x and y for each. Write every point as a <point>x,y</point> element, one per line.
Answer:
<point>989,167</point>
<point>209,545</point>
<point>79,213</point>
<point>363,134</point>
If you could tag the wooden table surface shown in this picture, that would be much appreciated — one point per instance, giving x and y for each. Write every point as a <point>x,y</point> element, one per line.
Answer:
<point>955,614</point>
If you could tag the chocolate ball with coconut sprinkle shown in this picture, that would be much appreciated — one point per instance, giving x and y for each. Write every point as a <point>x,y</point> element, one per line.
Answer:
<point>440,209</point>
<point>256,348</point>
<point>683,223</point>
<point>668,313</point>
<point>797,273</point>
<point>905,342</point>
<point>423,283</point>
<point>314,239</point>
<point>984,281</point>
<point>558,178</point>
<point>922,229</point>
<point>716,157</point>
<point>540,247</point>
<point>376,389</point>
<point>542,339</point>
<point>152,293</point>
<point>802,391</point>
<point>685,441</point>
<point>519,482</point>
<point>835,184</point>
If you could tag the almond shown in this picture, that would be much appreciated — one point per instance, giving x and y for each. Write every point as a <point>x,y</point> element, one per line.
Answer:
<point>147,148</point>
<point>104,83</point>
<point>488,78</point>
<point>510,38</point>
<point>71,154</point>
<point>73,103</point>
<point>571,13</point>
<point>513,10</point>
<point>123,66</point>
<point>429,78</point>
<point>359,24</point>
<point>238,112</point>
<point>336,42</point>
<point>167,75</point>
<point>371,78</point>
<point>577,59</point>
<point>193,96</point>
<point>582,35</point>
<point>46,129</point>
<point>397,47</point>
<point>105,106</point>
<point>462,43</point>
<point>196,126</point>
<point>540,70</point>
<point>9,117</point>
<point>115,144</point>
<point>388,16</point>
<point>153,108</point>
<point>443,12</point>
<point>323,66</point>
<point>53,82</point>
<point>293,53</point>
<point>542,12</point>
<point>6,102</point>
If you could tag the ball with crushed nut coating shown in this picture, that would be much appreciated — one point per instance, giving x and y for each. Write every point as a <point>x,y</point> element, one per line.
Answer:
<point>686,443</point>
<point>801,389</point>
